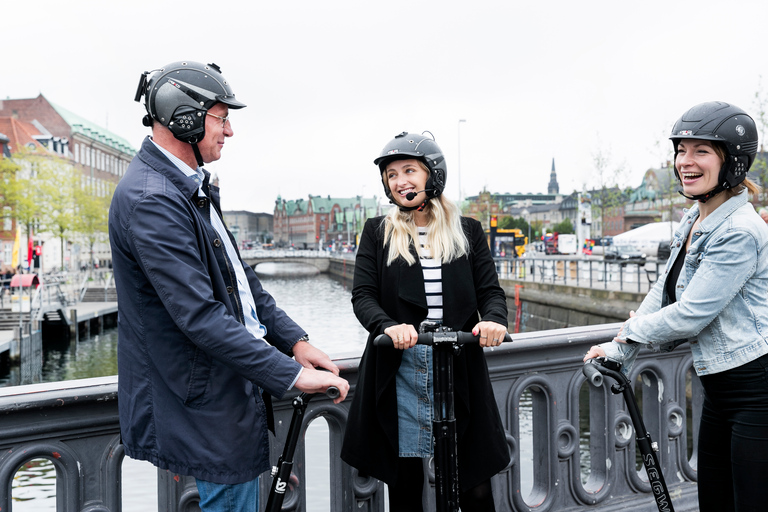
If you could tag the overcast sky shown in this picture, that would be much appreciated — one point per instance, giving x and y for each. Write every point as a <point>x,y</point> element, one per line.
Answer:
<point>328,83</point>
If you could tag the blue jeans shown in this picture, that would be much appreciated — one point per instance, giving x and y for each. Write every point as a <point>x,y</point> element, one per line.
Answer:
<point>229,498</point>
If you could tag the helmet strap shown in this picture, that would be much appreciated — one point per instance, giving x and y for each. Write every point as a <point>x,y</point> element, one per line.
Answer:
<point>198,156</point>
<point>703,198</point>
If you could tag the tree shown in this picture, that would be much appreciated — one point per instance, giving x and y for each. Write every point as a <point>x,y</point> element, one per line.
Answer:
<point>609,191</point>
<point>564,228</point>
<point>18,186</point>
<point>514,223</point>
<point>56,183</point>
<point>92,214</point>
<point>760,166</point>
<point>48,192</point>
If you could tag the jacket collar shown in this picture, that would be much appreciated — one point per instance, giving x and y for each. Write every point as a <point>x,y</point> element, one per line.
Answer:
<point>155,159</point>
<point>722,212</point>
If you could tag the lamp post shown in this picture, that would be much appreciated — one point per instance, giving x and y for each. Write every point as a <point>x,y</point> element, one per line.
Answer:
<point>458,166</point>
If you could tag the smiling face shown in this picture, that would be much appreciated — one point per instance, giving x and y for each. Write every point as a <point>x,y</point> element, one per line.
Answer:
<point>698,164</point>
<point>215,133</point>
<point>404,176</point>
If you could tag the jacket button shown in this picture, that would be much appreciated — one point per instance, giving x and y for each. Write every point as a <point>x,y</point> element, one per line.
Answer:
<point>217,243</point>
<point>230,289</point>
<point>201,203</point>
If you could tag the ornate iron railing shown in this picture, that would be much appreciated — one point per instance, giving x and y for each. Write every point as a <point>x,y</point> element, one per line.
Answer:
<point>571,445</point>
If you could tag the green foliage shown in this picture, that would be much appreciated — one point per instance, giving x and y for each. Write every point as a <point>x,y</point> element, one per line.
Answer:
<point>512,223</point>
<point>49,192</point>
<point>564,228</point>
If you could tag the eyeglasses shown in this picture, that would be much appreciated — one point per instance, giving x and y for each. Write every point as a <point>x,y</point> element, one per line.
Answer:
<point>223,119</point>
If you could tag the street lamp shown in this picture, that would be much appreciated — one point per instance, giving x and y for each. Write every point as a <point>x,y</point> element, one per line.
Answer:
<point>458,166</point>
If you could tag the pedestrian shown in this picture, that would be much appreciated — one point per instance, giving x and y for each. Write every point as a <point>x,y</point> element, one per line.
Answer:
<point>423,261</point>
<point>713,295</point>
<point>202,344</point>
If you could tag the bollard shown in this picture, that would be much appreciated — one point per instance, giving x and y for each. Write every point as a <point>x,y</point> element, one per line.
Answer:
<point>73,328</point>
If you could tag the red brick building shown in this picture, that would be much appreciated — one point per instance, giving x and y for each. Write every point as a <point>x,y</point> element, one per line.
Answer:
<point>320,222</point>
<point>101,155</point>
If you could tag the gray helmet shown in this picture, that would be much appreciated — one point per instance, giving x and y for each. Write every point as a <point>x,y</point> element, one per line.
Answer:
<point>728,124</point>
<point>410,145</point>
<point>179,95</point>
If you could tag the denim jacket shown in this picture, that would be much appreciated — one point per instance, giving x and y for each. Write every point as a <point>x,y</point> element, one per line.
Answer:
<point>721,295</point>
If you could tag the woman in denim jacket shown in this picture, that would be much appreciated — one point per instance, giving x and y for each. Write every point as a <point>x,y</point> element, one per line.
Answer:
<point>714,294</point>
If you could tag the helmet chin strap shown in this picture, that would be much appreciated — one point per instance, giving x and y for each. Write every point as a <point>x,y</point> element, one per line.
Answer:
<point>198,156</point>
<point>703,198</point>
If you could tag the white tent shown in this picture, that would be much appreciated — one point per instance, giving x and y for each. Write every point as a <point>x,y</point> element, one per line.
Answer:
<point>647,238</point>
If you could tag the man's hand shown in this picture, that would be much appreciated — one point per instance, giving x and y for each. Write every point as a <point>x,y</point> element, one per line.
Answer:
<point>316,381</point>
<point>312,357</point>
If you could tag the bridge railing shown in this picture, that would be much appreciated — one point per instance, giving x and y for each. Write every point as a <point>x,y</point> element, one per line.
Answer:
<point>581,272</point>
<point>572,446</point>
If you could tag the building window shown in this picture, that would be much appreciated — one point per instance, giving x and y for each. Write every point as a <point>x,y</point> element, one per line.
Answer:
<point>7,218</point>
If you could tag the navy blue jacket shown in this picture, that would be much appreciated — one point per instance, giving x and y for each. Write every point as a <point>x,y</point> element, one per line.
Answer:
<point>187,366</point>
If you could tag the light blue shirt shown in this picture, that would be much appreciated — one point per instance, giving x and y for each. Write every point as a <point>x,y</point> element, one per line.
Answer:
<point>721,294</point>
<point>252,322</point>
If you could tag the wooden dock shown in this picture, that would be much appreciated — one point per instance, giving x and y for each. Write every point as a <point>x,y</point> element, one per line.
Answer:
<point>83,314</point>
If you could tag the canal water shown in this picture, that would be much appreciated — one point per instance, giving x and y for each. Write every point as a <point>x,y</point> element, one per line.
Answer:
<point>319,303</point>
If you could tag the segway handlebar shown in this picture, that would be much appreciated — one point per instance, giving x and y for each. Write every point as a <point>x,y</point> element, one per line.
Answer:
<point>434,338</point>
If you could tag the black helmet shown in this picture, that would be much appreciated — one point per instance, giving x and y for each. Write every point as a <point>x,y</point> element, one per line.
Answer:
<point>410,145</point>
<point>179,95</point>
<point>724,123</point>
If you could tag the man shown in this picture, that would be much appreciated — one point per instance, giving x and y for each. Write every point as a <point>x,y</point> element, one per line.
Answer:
<point>199,336</point>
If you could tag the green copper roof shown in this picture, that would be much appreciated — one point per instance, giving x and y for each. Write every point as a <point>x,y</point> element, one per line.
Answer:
<point>94,131</point>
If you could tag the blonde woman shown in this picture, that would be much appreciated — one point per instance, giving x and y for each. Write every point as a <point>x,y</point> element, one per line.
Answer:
<point>423,261</point>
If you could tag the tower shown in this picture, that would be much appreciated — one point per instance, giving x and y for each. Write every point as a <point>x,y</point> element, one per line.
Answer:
<point>553,187</point>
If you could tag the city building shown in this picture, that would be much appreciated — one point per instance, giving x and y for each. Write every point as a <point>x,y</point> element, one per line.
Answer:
<point>322,222</point>
<point>251,230</point>
<point>101,156</point>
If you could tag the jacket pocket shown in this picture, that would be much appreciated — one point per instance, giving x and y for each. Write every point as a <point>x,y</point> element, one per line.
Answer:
<point>199,377</point>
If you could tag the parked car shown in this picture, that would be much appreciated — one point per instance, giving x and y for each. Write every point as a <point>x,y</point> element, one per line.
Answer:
<point>663,252</point>
<point>624,255</point>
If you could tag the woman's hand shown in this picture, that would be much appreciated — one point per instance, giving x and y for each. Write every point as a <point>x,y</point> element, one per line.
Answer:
<point>597,351</point>
<point>594,351</point>
<point>491,333</point>
<point>403,336</point>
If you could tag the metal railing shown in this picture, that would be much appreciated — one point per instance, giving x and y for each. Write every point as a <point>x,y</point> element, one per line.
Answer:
<point>573,450</point>
<point>581,272</point>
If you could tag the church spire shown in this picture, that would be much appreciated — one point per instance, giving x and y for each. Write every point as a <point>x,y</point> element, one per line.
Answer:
<point>553,187</point>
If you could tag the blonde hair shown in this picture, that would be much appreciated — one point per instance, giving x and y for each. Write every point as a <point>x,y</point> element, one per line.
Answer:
<point>445,236</point>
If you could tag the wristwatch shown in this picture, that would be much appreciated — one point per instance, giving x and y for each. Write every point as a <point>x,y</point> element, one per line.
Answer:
<point>304,338</point>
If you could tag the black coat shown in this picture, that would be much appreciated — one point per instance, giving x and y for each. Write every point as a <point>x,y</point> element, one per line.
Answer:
<point>383,296</point>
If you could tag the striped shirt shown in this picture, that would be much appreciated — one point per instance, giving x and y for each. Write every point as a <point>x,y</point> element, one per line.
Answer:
<point>433,279</point>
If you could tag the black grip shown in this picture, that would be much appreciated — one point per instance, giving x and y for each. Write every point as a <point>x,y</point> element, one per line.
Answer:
<point>426,338</point>
<point>592,373</point>
<point>332,392</point>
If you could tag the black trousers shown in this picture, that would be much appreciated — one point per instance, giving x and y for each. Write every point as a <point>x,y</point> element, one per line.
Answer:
<point>733,440</point>
<point>406,494</point>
